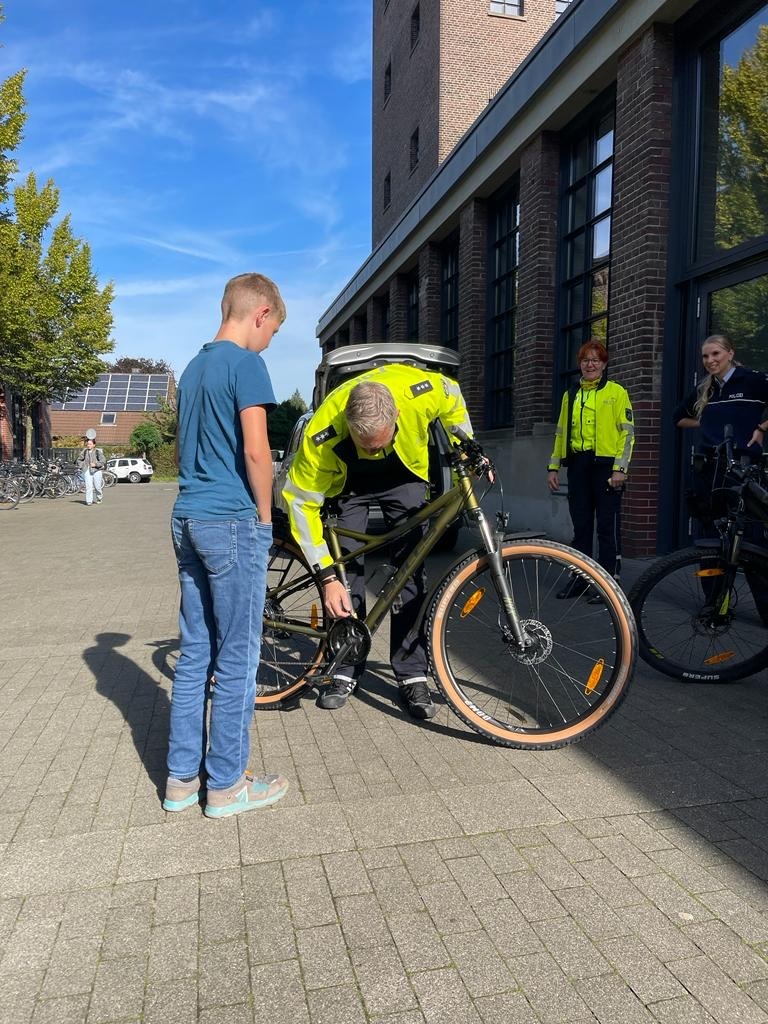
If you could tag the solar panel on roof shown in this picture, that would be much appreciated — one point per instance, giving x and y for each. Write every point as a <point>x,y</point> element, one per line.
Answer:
<point>117,392</point>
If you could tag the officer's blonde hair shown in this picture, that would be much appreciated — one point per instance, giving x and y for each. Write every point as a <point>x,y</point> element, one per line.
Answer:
<point>706,388</point>
<point>370,409</point>
<point>245,291</point>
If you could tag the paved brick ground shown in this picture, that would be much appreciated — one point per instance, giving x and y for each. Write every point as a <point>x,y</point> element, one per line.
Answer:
<point>414,873</point>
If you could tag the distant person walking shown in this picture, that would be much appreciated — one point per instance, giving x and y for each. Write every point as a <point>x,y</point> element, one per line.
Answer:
<point>91,463</point>
<point>222,532</point>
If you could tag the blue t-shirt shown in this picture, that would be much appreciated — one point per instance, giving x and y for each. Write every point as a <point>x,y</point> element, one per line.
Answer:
<point>221,381</point>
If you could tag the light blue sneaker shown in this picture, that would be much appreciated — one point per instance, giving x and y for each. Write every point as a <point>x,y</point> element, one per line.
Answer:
<point>247,794</point>
<point>180,795</point>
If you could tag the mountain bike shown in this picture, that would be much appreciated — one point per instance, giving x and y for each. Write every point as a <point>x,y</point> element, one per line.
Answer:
<point>514,663</point>
<point>702,612</point>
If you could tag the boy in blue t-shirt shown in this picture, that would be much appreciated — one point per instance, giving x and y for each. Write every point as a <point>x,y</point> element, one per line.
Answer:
<point>222,532</point>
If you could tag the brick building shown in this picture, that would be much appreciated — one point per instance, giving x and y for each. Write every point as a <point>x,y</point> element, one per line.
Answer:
<point>614,187</point>
<point>114,406</point>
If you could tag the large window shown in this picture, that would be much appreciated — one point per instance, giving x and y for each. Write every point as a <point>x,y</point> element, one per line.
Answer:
<point>587,174</point>
<point>503,239</point>
<point>449,294</point>
<point>733,159</point>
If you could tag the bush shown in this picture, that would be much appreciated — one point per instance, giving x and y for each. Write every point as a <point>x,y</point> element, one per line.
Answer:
<point>145,438</point>
<point>163,461</point>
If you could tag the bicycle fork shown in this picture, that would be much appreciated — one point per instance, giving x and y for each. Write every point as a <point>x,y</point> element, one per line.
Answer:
<point>492,542</point>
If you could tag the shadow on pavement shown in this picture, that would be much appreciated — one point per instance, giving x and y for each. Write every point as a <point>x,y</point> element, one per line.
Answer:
<point>142,702</point>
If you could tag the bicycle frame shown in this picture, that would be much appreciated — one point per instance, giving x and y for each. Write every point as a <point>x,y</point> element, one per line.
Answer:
<point>447,507</point>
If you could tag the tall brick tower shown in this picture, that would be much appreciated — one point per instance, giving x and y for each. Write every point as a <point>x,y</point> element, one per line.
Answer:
<point>436,64</point>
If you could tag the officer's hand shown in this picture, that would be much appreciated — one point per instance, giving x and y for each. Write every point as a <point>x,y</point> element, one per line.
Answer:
<point>553,480</point>
<point>336,599</point>
<point>617,479</point>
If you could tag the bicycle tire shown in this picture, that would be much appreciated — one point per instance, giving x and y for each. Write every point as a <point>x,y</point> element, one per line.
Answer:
<point>578,670</point>
<point>677,632</point>
<point>9,494</point>
<point>289,660</point>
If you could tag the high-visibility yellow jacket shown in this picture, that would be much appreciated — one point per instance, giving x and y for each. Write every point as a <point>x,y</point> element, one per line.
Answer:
<point>318,472</point>
<point>598,419</point>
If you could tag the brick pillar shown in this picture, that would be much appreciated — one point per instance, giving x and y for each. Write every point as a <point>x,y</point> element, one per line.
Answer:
<point>473,245</point>
<point>429,295</point>
<point>398,308</point>
<point>642,160</point>
<point>536,327</point>
<point>359,329</point>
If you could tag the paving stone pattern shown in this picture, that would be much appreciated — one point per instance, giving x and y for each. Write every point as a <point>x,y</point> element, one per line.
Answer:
<point>414,873</point>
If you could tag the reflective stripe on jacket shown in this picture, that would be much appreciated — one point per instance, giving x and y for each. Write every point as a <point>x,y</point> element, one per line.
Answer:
<point>614,431</point>
<point>318,472</point>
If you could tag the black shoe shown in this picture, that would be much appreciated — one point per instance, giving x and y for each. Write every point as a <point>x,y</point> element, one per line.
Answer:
<point>335,694</point>
<point>415,694</point>
<point>575,587</point>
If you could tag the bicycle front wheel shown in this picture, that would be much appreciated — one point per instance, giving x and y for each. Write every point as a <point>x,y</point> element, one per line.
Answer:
<point>692,628</point>
<point>568,681</point>
<point>293,640</point>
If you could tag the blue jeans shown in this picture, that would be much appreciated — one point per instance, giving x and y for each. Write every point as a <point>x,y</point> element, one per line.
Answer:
<point>223,577</point>
<point>93,485</point>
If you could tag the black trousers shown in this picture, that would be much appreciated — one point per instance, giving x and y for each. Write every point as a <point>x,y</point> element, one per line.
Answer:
<point>408,657</point>
<point>590,498</point>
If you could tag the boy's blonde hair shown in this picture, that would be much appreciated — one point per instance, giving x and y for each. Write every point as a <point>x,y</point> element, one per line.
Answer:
<point>245,291</point>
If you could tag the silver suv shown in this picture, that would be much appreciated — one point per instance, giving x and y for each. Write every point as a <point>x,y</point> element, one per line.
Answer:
<point>351,361</point>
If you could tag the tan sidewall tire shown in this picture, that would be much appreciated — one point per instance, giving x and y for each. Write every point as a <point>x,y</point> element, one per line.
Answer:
<point>278,697</point>
<point>625,629</point>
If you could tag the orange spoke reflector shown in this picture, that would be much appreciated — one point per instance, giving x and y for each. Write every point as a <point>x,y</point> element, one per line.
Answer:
<point>313,617</point>
<point>595,676</point>
<point>711,572</point>
<point>472,602</point>
<point>718,659</point>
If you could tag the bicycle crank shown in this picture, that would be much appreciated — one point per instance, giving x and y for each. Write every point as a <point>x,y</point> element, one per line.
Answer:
<point>349,641</point>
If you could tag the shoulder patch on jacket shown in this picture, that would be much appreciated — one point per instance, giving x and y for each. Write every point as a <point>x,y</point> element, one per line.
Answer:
<point>324,435</point>
<point>628,414</point>
<point>421,388</point>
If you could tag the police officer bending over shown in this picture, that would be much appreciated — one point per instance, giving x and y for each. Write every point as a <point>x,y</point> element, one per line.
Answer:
<point>369,440</point>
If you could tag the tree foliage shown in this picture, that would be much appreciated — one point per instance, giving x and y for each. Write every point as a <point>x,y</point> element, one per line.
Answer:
<point>741,197</point>
<point>145,438</point>
<point>166,419</point>
<point>282,419</point>
<point>55,320</point>
<point>139,364</point>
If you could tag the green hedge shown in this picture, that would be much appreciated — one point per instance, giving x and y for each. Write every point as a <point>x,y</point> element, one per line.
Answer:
<point>163,460</point>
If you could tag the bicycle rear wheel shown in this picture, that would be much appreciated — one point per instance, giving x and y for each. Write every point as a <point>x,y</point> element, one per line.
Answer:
<point>680,631</point>
<point>575,674</point>
<point>289,658</point>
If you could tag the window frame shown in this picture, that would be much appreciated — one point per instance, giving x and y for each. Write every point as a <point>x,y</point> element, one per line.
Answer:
<point>586,125</point>
<point>500,361</point>
<point>449,293</point>
<point>518,4</point>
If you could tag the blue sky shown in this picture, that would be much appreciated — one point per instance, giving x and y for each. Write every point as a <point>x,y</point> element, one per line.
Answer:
<point>192,141</point>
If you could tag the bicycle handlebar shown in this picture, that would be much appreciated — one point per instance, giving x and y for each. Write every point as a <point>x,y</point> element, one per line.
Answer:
<point>472,452</point>
<point>750,476</point>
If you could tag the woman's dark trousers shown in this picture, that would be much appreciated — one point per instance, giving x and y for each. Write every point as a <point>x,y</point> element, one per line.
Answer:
<point>590,498</point>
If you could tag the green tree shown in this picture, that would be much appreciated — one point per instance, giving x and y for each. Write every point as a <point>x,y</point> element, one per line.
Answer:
<point>145,438</point>
<point>297,401</point>
<point>166,419</point>
<point>139,364</point>
<point>282,419</point>
<point>55,321</point>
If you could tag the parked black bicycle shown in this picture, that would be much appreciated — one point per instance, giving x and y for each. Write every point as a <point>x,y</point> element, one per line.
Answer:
<point>702,612</point>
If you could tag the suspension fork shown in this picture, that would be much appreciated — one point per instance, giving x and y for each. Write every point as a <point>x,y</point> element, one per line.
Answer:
<point>492,542</point>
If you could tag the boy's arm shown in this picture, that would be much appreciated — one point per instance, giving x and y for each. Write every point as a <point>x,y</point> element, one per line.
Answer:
<point>258,459</point>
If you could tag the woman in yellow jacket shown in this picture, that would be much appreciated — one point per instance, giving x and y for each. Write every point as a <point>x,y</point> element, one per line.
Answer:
<point>594,437</point>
